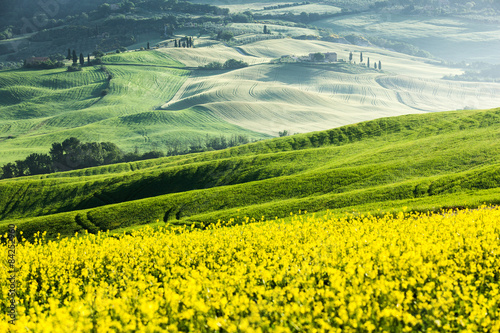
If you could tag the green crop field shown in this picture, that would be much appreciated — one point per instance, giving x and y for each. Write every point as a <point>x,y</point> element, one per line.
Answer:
<point>149,58</point>
<point>39,107</point>
<point>424,162</point>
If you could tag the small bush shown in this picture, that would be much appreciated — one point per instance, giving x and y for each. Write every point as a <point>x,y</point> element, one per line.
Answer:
<point>213,65</point>
<point>97,61</point>
<point>233,64</point>
<point>74,68</point>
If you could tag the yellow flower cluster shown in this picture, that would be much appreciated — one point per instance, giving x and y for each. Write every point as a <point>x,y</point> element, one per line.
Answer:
<point>411,272</point>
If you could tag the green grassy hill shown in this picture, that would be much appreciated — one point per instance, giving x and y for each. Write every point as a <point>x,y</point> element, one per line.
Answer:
<point>424,162</point>
<point>158,99</point>
<point>39,107</point>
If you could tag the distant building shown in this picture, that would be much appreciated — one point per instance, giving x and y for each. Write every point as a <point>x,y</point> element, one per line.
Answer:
<point>331,57</point>
<point>33,60</point>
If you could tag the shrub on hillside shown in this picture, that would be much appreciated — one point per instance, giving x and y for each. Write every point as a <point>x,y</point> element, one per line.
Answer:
<point>49,64</point>
<point>97,61</point>
<point>233,63</point>
<point>74,68</point>
<point>225,35</point>
<point>213,65</point>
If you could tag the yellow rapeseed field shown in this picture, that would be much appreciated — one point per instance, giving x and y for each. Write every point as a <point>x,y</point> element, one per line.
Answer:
<point>318,273</point>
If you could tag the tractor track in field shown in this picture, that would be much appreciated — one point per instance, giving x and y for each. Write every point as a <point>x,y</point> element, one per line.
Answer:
<point>150,65</point>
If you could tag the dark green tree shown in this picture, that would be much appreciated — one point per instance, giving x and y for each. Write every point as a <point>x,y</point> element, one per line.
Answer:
<point>361,57</point>
<point>304,17</point>
<point>57,156</point>
<point>226,35</point>
<point>368,62</point>
<point>111,153</point>
<point>148,45</point>
<point>318,56</point>
<point>88,59</point>
<point>38,164</point>
<point>69,55</point>
<point>175,43</point>
<point>379,65</point>
<point>21,168</point>
<point>9,170</point>
<point>82,59</point>
<point>265,29</point>
<point>233,64</point>
<point>350,56</point>
<point>75,58</point>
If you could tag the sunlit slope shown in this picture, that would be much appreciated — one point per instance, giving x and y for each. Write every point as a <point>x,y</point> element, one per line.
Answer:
<point>305,97</point>
<point>40,107</point>
<point>148,58</point>
<point>300,98</point>
<point>421,161</point>
<point>392,62</point>
<point>194,57</point>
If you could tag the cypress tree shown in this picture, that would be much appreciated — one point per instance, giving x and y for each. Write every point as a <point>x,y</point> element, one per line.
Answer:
<point>75,58</point>
<point>379,65</point>
<point>175,45</point>
<point>82,59</point>
<point>148,45</point>
<point>368,63</point>
<point>361,57</point>
<point>88,59</point>
<point>69,55</point>
<point>350,56</point>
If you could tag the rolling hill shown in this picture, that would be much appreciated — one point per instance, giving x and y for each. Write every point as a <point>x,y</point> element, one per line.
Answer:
<point>304,97</point>
<point>39,107</point>
<point>425,162</point>
<point>159,98</point>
